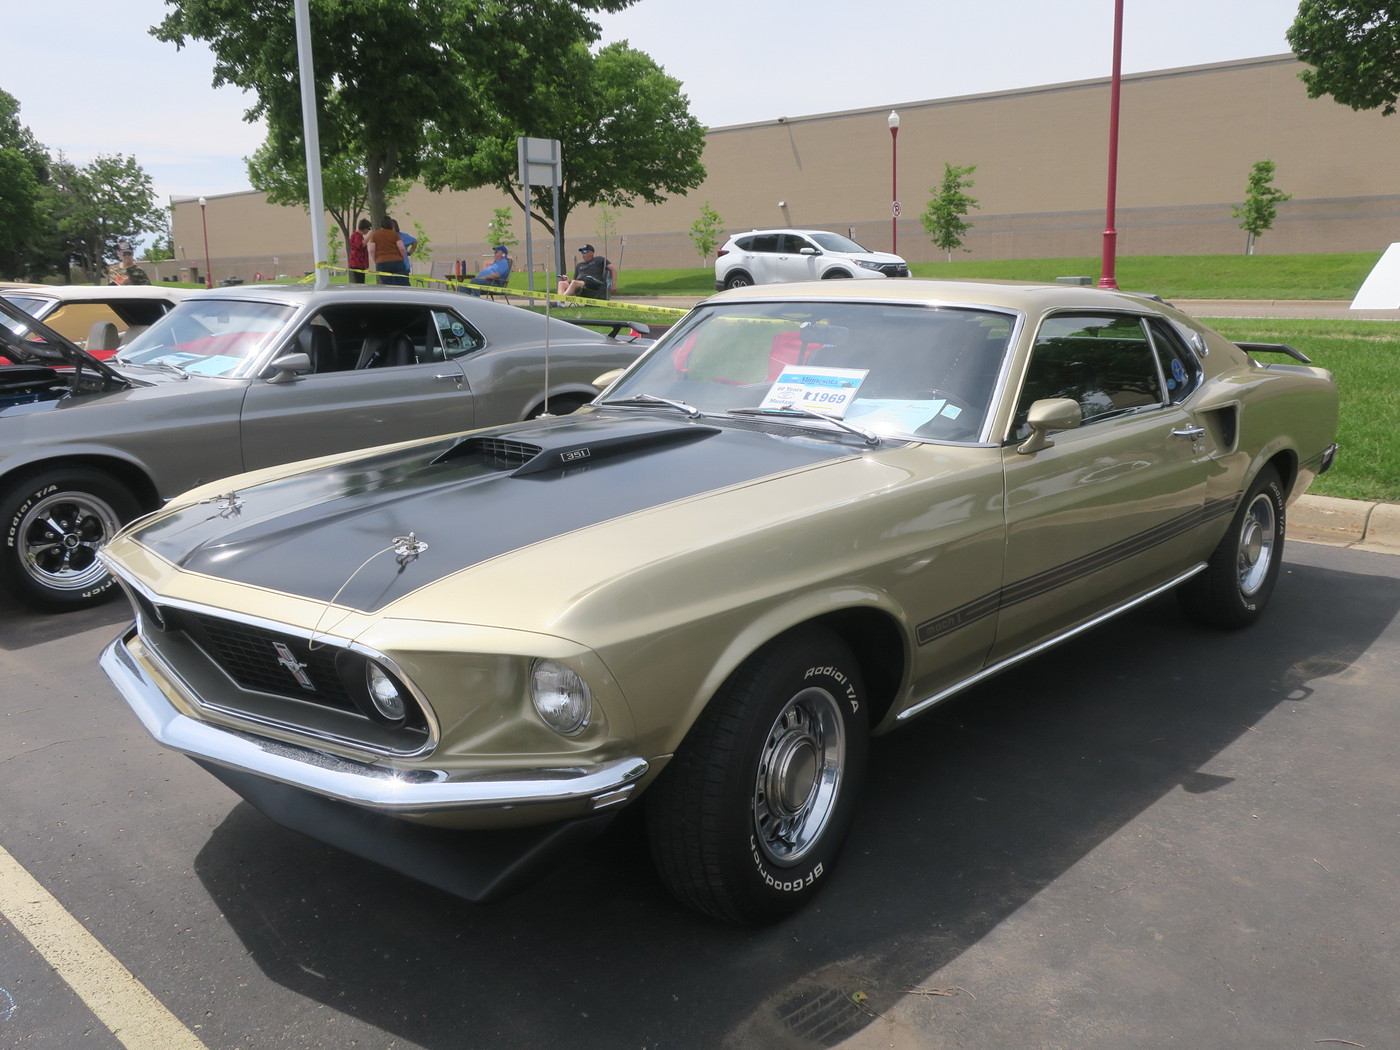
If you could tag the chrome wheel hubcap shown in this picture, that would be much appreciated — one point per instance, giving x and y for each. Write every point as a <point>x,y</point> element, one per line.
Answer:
<point>799,776</point>
<point>1256,548</point>
<point>59,538</point>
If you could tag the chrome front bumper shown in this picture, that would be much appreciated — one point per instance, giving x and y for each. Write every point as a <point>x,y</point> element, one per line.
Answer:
<point>396,792</point>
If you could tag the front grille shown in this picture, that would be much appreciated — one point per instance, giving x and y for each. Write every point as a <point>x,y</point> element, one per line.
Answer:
<point>894,270</point>
<point>251,657</point>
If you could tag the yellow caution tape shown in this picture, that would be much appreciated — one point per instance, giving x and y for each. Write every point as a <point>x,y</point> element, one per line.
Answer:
<point>456,283</point>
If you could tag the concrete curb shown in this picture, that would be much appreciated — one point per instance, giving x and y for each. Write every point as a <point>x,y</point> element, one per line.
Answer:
<point>1346,523</point>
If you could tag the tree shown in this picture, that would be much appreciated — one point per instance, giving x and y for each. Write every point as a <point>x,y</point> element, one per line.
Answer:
<point>705,231</point>
<point>99,204</point>
<point>499,229</point>
<point>278,169</point>
<point>1260,206</point>
<point>944,220</point>
<point>606,227</point>
<point>623,124</point>
<point>388,72</point>
<point>29,247</point>
<point>1354,49</point>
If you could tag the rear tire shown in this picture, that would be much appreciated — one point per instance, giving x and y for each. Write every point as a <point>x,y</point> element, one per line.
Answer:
<point>748,820</point>
<point>54,523</point>
<point>1233,589</point>
<point>562,405</point>
<point>738,279</point>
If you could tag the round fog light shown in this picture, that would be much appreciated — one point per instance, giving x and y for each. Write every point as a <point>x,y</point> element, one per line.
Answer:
<point>562,699</point>
<point>385,694</point>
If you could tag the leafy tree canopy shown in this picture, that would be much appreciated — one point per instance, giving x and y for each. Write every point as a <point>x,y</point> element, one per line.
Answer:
<point>390,74</point>
<point>944,220</point>
<point>1260,207</point>
<point>278,169</point>
<point>1354,49</point>
<point>624,127</point>
<point>97,205</point>
<point>29,247</point>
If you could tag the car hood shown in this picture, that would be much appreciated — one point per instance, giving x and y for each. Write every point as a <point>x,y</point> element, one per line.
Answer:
<point>364,532</point>
<point>37,344</point>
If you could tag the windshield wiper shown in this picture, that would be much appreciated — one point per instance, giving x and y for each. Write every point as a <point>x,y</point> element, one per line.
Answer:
<point>652,399</point>
<point>871,438</point>
<point>158,364</point>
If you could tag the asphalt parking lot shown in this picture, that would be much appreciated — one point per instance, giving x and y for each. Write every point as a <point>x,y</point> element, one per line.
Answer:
<point>1154,836</point>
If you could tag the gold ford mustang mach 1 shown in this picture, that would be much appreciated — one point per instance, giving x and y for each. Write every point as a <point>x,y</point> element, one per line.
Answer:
<point>807,514</point>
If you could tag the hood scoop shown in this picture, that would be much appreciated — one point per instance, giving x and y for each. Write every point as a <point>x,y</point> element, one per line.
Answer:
<point>570,445</point>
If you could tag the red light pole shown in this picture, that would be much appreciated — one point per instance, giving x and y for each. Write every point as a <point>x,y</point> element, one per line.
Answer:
<point>894,182</point>
<point>1110,235</point>
<point>208,277</point>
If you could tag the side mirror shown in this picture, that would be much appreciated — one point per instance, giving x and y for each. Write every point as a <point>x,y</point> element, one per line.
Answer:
<point>1052,413</point>
<point>289,366</point>
<point>809,251</point>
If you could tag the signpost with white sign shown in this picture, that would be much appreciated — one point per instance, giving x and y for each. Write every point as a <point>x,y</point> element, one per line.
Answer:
<point>541,163</point>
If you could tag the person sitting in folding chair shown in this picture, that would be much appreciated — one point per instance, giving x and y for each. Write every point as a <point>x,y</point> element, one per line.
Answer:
<point>496,274</point>
<point>594,276</point>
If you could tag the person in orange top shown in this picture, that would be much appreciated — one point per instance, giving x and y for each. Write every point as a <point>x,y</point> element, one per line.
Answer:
<point>386,253</point>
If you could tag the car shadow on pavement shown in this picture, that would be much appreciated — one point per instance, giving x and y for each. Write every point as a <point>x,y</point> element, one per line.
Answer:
<point>968,814</point>
<point>21,628</point>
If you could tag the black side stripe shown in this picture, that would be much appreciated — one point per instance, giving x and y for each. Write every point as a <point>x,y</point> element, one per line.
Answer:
<point>1057,576</point>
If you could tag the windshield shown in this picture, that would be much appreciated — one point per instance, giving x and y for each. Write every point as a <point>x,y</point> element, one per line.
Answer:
<point>834,242</point>
<point>35,306</point>
<point>212,337</point>
<point>901,371</point>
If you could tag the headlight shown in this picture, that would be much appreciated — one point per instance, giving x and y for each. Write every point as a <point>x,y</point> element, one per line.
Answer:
<point>562,699</point>
<point>867,264</point>
<point>384,693</point>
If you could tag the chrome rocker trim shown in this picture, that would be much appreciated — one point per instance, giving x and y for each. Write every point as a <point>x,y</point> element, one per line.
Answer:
<point>391,791</point>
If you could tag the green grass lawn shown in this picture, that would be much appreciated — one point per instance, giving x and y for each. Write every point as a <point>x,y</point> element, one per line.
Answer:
<point>1170,276</point>
<point>1364,356</point>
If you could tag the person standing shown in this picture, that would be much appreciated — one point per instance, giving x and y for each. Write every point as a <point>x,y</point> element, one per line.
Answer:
<point>358,255</point>
<point>594,276</point>
<point>386,254</point>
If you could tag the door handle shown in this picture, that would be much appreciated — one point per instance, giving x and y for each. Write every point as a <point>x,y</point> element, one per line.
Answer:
<point>445,375</point>
<point>1194,433</point>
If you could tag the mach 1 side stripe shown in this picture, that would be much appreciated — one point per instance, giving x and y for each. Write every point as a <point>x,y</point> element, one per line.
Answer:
<point>1057,576</point>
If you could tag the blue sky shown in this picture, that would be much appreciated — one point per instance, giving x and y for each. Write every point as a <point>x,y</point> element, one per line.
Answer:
<point>90,79</point>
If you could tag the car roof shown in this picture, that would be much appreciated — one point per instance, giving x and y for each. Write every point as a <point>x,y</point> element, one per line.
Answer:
<point>111,292</point>
<point>306,294</point>
<point>1025,296</point>
<point>784,229</point>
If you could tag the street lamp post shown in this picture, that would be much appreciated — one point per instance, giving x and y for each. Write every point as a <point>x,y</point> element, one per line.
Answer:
<point>894,182</point>
<point>208,277</point>
<point>1107,277</point>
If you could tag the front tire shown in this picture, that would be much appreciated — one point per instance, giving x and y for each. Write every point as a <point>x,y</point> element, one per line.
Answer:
<point>1233,589</point>
<point>54,524</point>
<point>749,818</point>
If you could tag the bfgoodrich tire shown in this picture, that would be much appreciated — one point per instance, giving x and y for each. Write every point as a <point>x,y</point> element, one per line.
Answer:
<point>747,821</point>
<point>1234,588</point>
<point>54,523</point>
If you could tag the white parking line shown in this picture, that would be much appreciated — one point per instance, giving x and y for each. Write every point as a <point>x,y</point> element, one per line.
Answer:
<point>136,1017</point>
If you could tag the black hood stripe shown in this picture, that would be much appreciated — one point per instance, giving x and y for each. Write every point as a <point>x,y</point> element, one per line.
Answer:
<point>328,535</point>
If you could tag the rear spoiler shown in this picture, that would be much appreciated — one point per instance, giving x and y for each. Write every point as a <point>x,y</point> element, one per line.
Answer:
<point>1275,348</point>
<point>611,325</point>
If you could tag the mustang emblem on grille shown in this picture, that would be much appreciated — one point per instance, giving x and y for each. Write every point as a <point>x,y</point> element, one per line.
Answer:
<point>292,664</point>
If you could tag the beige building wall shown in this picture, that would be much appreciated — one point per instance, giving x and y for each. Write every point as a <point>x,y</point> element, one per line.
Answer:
<point>1188,138</point>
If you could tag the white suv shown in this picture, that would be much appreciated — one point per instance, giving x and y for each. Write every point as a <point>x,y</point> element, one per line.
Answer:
<point>771,256</point>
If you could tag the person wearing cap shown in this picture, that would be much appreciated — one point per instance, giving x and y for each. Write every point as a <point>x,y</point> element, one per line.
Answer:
<point>126,271</point>
<point>594,276</point>
<point>496,273</point>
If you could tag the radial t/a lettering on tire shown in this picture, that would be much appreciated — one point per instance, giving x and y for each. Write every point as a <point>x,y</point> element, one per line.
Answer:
<point>54,523</point>
<point>1234,587</point>
<point>749,818</point>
